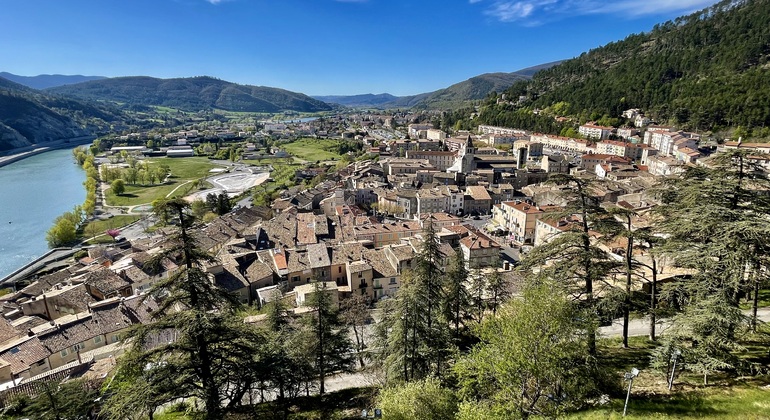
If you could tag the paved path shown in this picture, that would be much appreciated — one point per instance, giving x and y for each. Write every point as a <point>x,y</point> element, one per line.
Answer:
<point>641,327</point>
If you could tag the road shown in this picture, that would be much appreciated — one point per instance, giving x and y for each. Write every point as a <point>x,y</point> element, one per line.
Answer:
<point>641,327</point>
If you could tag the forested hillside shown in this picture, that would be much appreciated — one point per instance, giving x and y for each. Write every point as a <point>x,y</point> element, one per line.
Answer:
<point>708,70</point>
<point>30,117</point>
<point>193,94</point>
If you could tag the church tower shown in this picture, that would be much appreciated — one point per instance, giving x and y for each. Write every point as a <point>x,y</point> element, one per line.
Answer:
<point>467,159</point>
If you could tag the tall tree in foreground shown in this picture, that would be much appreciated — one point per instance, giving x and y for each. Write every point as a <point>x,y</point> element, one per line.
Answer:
<point>717,220</point>
<point>355,314</point>
<point>456,300</point>
<point>571,257</point>
<point>531,360</point>
<point>326,336</point>
<point>706,333</point>
<point>194,347</point>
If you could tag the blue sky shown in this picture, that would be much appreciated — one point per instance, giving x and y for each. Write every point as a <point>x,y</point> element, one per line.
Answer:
<point>316,47</point>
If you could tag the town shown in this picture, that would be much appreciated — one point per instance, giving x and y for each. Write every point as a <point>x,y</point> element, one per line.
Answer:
<point>354,224</point>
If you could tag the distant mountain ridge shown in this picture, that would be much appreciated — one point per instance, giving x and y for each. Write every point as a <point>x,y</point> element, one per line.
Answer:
<point>44,81</point>
<point>193,94</point>
<point>364,100</point>
<point>458,94</point>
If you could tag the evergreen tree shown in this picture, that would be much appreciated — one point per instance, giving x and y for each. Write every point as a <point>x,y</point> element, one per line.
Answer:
<point>355,314</point>
<point>195,346</point>
<point>456,298</point>
<point>715,218</point>
<point>325,335</point>
<point>570,257</point>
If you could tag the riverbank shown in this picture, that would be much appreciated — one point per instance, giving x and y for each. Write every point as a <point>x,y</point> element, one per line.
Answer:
<point>15,155</point>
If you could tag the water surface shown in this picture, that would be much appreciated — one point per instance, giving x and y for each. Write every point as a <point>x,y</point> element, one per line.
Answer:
<point>33,192</point>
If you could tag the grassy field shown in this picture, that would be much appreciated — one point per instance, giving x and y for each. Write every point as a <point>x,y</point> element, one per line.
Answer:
<point>100,226</point>
<point>313,149</point>
<point>739,402</point>
<point>728,398</point>
<point>182,171</point>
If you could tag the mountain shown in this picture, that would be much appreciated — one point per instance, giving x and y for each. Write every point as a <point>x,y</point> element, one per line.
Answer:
<point>192,94</point>
<point>530,71</point>
<point>367,100</point>
<point>45,81</point>
<point>28,117</point>
<point>702,71</point>
<point>457,95</point>
<point>473,89</point>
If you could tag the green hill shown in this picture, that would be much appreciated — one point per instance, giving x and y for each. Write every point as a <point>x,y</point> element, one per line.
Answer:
<point>30,117</point>
<point>192,94</point>
<point>707,70</point>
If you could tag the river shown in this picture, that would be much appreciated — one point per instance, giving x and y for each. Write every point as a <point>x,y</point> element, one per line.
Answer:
<point>33,192</point>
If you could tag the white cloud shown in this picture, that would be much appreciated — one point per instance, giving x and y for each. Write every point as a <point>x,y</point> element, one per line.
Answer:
<point>532,12</point>
<point>215,1</point>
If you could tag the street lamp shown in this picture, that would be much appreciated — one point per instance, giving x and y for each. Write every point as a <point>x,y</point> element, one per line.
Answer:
<point>629,376</point>
<point>675,356</point>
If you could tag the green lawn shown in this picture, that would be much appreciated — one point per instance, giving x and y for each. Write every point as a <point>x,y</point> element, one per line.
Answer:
<point>182,170</point>
<point>740,402</point>
<point>313,149</point>
<point>764,300</point>
<point>728,398</point>
<point>98,227</point>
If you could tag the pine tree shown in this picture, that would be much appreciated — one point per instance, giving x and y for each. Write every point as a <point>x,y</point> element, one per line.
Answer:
<point>325,335</point>
<point>456,298</point>
<point>195,346</point>
<point>570,257</point>
<point>715,218</point>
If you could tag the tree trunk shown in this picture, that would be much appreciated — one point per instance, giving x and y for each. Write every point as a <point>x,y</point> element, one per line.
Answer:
<point>755,302</point>
<point>627,297</point>
<point>653,299</point>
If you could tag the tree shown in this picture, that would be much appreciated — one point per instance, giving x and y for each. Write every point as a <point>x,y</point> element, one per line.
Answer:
<point>571,257</point>
<point>706,334</point>
<point>716,224</point>
<point>327,339</point>
<point>456,298</point>
<point>68,400</point>
<point>118,186</point>
<point>355,314</point>
<point>199,208</point>
<point>532,356</point>
<point>63,232</point>
<point>617,224</point>
<point>424,399</point>
<point>201,350</point>
<point>498,289</point>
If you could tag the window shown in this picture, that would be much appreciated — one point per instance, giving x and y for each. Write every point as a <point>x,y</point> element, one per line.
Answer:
<point>115,338</point>
<point>64,353</point>
<point>97,339</point>
<point>340,269</point>
<point>392,280</point>
<point>76,347</point>
<point>295,278</point>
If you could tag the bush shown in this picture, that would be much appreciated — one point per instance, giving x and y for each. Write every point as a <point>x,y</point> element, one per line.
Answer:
<point>424,399</point>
